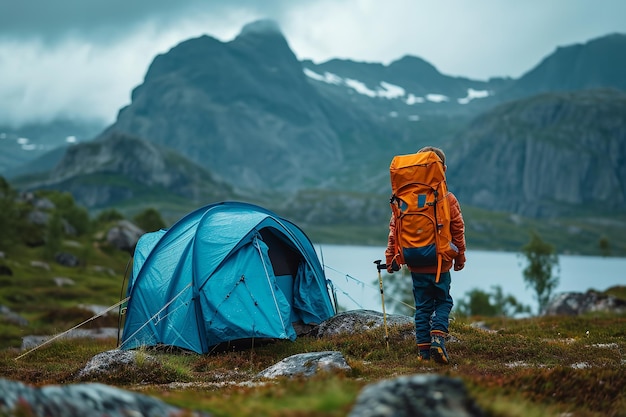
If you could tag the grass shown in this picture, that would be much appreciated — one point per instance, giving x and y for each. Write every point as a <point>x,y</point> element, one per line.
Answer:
<point>523,367</point>
<point>535,366</point>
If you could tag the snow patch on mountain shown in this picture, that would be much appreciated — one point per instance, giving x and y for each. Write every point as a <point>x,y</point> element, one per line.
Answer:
<point>392,91</point>
<point>383,89</point>
<point>473,94</point>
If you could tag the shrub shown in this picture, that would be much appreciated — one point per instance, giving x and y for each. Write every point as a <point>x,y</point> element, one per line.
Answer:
<point>149,220</point>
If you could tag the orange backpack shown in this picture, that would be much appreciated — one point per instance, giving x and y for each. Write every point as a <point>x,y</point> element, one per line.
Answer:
<point>421,210</point>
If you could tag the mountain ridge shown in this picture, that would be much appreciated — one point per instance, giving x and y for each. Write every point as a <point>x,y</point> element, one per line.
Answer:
<point>597,63</point>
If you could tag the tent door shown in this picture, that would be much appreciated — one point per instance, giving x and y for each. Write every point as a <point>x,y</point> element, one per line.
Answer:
<point>285,284</point>
<point>285,262</point>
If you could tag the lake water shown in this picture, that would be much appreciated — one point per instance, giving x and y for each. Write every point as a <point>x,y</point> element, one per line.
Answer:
<point>354,275</point>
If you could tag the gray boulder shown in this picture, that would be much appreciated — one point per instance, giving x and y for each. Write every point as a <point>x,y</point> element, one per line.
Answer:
<point>110,361</point>
<point>575,303</point>
<point>7,314</point>
<point>124,235</point>
<point>80,400</point>
<point>43,204</point>
<point>307,364</point>
<point>67,259</point>
<point>63,281</point>
<point>38,217</point>
<point>416,396</point>
<point>29,342</point>
<point>40,264</point>
<point>358,321</point>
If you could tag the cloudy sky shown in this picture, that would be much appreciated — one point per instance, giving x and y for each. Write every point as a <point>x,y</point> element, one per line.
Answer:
<point>82,58</point>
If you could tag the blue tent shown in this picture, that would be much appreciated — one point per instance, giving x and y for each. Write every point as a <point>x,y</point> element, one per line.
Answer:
<point>225,272</point>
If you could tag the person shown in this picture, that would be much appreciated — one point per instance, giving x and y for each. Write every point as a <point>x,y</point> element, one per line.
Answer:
<point>433,301</point>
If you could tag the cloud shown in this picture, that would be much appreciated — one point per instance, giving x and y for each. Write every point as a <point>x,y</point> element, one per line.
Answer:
<point>102,21</point>
<point>476,39</point>
<point>72,75</point>
<point>78,58</point>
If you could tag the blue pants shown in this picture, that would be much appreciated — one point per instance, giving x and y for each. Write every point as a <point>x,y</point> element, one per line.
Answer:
<point>432,304</point>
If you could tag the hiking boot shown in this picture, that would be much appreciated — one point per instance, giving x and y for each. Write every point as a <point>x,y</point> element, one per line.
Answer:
<point>438,347</point>
<point>424,351</point>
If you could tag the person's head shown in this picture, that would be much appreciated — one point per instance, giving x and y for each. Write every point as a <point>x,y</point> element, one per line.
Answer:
<point>437,151</point>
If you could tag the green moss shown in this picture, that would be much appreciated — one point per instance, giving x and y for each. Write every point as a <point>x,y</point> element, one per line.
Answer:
<point>524,367</point>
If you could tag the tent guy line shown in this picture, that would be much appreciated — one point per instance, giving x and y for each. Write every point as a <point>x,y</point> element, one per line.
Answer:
<point>157,313</point>
<point>102,313</point>
<point>363,284</point>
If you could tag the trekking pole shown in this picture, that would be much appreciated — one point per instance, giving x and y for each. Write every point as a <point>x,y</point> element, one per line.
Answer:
<point>380,266</point>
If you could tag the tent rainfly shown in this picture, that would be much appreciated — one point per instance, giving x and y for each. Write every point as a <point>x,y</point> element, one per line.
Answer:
<point>224,272</point>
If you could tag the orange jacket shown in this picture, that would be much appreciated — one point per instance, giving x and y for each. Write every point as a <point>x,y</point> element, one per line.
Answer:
<point>457,230</point>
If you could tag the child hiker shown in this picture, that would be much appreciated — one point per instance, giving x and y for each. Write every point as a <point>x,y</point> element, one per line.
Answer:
<point>430,289</point>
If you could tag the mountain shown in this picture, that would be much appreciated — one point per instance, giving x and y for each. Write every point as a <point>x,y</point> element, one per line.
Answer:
<point>313,141</point>
<point>215,101</point>
<point>413,88</point>
<point>39,165</point>
<point>124,169</point>
<point>409,87</point>
<point>300,124</point>
<point>549,155</point>
<point>19,146</point>
<point>243,109</point>
<point>599,63</point>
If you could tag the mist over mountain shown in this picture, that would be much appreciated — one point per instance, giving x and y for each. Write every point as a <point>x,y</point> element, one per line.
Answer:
<point>314,141</point>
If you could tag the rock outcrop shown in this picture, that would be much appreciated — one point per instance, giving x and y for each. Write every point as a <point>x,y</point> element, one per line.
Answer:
<point>406,396</point>
<point>80,400</point>
<point>124,236</point>
<point>307,364</point>
<point>576,303</point>
<point>545,156</point>
<point>416,396</point>
<point>357,321</point>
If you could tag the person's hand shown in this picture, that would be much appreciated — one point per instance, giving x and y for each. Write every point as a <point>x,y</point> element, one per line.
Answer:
<point>393,266</point>
<point>459,262</point>
<point>388,262</point>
